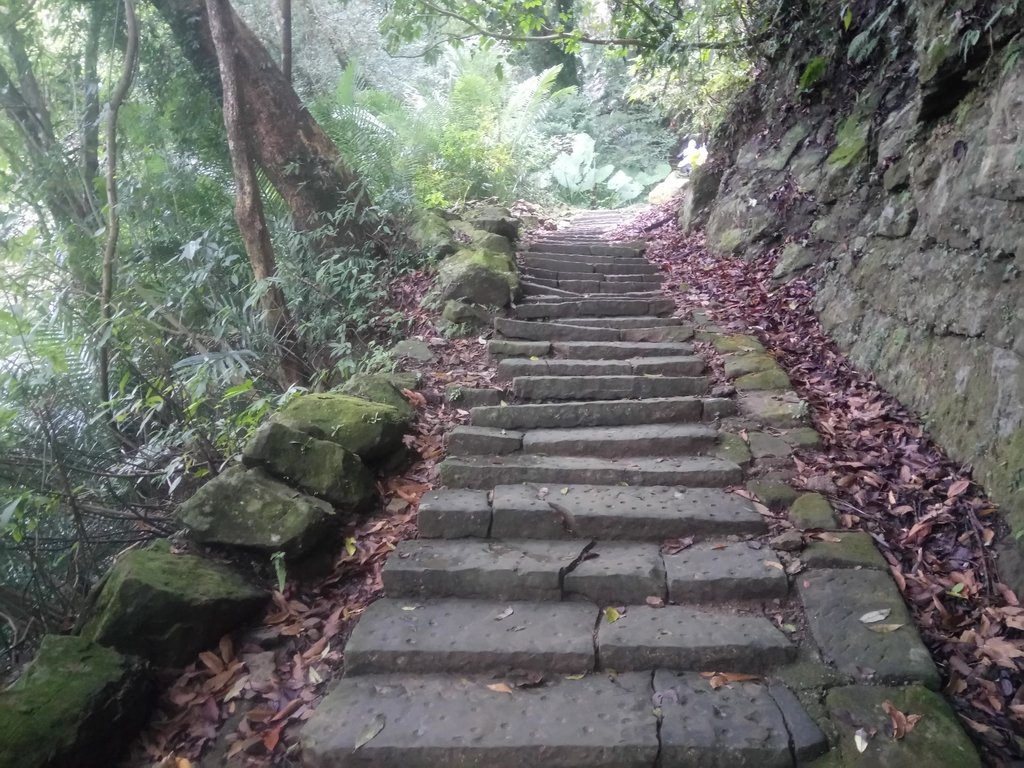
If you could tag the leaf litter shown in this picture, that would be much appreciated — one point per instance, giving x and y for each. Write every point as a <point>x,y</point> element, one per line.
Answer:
<point>884,474</point>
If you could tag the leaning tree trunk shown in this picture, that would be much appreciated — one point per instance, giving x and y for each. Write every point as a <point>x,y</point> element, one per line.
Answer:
<point>298,157</point>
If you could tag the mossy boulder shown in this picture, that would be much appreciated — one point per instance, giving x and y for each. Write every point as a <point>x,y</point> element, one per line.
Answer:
<point>774,492</point>
<point>811,510</point>
<point>855,549</point>
<point>432,235</point>
<point>372,431</point>
<point>383,388</point>
<point>734,448</point>
<point>497,221</point>
<point>461,312</point>
<point>318,467</point>
<point>774,378</point>
<point>478,276</point>
<point>738,342</point>
<point>248,508</point>
<point>78,705</point>
<point>743,363</point>
<point>167,607</point>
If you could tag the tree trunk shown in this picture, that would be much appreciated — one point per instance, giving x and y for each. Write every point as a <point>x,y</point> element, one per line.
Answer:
<point>286,39</point>
<point>248,206</point>
<point>298,157</point>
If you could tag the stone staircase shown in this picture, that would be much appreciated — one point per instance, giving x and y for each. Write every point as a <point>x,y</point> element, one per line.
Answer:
<point>554,610</point>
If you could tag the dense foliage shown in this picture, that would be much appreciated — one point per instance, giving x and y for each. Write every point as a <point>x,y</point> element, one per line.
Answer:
<point>126,380</point>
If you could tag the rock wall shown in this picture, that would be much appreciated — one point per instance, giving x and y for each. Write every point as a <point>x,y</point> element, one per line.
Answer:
<point>889,158</point>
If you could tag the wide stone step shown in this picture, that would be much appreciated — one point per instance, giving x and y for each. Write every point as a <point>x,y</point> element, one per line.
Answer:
<point>547,388</point>
<point>583,247</point>
<point>595,307</point>
<point>472,636</point>
<point>566,331</point>
<point>603,266</point>
<point>542,288</point>
<point>606,442</point>
<point>603,512</point>
<point>681,365</point>
<point>597,721</point>
<point>624,323</point>
<point>596,276</point>
<point>498,349</point>
<point>487,472</point>
<point>600,413</point>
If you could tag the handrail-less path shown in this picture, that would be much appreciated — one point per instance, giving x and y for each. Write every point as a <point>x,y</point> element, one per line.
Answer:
<point>586,568</point>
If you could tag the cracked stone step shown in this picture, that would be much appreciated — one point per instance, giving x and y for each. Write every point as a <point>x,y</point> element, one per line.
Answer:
<point>600,512</point>
<point>454,514</point>
<point>489,570</point>
<point>472,636</point>
<point>607,387</point>
<point>498,349</point>
<point>617,573</point>
<point>482,472</point>
<point>630,322</point>
<point>604,267</point>
<point>684,638</point>
<point>596,307</point>
<point>467,440</point>
<point>680,365</point>
<point>428,721</point>
<point>717,572</point>
<point>599,413</point>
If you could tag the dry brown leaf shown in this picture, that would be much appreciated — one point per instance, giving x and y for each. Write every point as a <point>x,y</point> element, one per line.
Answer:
<point>499,688</point>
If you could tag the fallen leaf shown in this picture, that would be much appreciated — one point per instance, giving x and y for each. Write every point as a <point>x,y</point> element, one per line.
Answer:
<point>504,614</point>
<point>884,629</point>
<point>499,688</point>
<point>873,617</point>
<point>860,739</point>
<point>612,614</point>
<point>655,602</point>
<point>775,564</point>
<point>370,732</point>
<point>901,723</point>
<point>958,488</point>
<point>350,545</point>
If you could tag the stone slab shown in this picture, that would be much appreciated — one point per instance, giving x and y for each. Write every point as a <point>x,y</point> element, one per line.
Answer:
<point>937,740</point>
<point>806,738</point>
<point>612,442</point>
<point>673,365</point>
<point>487,472</point>
<point>684,638</point>
<point>492,570</point>
<point>512,367</point>
<point>671,333</point>
<point>811,510</point>
<point>468,441</point>
<point>472,636</point>
<point>602,413</point>
<point>626,323</point>
<point>438,720</point>
<point>531,331</point>
<point>607,387</point>
<point>834,601</point>
<point>774,409</point>
<point>855,549</point>
<point>618,350</point>
<point>735,725</point>
<point>714,572</point>
<point>619,512</point>
<point>454,514</point>
<point>618,573</point>
<point>474,397</point>
<point>583,308</point>
<point>766,446</point>
<point>499,349</point>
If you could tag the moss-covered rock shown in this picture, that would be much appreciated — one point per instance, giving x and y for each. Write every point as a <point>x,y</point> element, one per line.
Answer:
<point>497,221</point>
<point>78,705</point>
<point>811,510</point>
<point>774,378</point>
<point>479,276</point>
<point>732,447</point>
<point>937,741</point>
<point>317,467</point>
<point>775,493</point>
<point>774,408</point>
<point>461,312</point>
<point>855,549</point>
<point>802,437</point>
<point>167,607</point>
<point>737,343</point>
<point>432,235</point>
<point>742,363</point>
<point>380,388</point>
<point>248,508</point>
<point>370,430</point>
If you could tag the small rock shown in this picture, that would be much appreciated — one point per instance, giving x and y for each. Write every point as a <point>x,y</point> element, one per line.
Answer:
<point>411,348</point>
<point>788,541</point>
<point>723,390</point>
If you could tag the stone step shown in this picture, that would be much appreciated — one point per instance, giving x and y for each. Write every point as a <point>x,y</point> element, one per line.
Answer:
<point>499,349</point>
<point>547,388</point>
<point>583,247</point>
<point>600,413</point>
<point>722,572</point>
<point>487,472</point>
<point>556,277</point>
<point>625,720</point>
<point>604,512</point>
<point>542,288</point>
<point>607,267</point>
<point>596,307</point>
<point>438,721</point>
<point>679,365</point>
<point>585,258</point>
<point>472,636</point>
<point>606,442</point>
<point>565,331</point>
<point>629,322</point>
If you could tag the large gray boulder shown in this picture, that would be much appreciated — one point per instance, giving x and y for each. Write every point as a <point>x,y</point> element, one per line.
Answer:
<point>167,607</point>
<point>78,705</point>
<point>478,276</point>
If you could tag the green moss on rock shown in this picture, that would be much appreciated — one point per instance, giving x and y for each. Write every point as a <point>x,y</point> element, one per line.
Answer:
<point>370,430</point>
<point>802,437</point>
<point>774,493</point>
<point>851,141</point>
<point>855,549</point>
<point>167,607</point>
<point>318,467</point>
<point>380,388</point>
<point>733,448</point>
<point>737,343</point>
<point>431,234</point>
<point>743,363</point>
<point>78,705</point>
<point>248,508</point>
<point>775,378</point>
<point>478,276</point>
<point>811,510</point>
